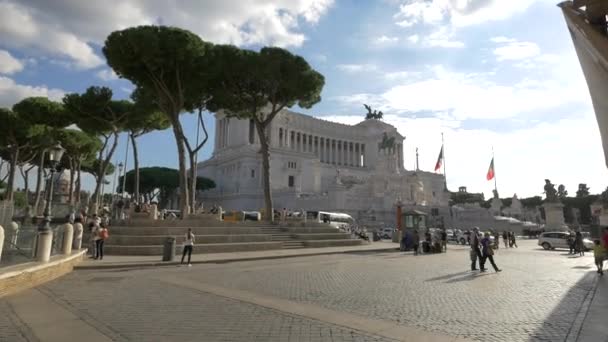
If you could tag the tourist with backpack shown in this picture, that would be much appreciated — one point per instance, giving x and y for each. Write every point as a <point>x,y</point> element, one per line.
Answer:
<point>102,236</point>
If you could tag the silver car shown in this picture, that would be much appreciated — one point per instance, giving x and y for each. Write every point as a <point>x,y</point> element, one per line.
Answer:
<point>552,240</point>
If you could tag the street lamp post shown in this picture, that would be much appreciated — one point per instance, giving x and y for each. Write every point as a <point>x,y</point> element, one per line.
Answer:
<point>45,233</point>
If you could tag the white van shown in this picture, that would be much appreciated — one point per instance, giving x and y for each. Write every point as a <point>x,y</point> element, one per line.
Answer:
<point>337,220</point>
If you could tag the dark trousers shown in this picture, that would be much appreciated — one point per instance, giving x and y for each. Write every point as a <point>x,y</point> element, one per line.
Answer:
<point>99,249</point>
<point>189,250</point>
<point>480,258</point>
<point>491,258</point>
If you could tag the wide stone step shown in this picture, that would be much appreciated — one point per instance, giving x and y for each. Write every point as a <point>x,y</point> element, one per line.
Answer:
<point>331,243</point>
<point>198,249</point>
<point>146,240</point>
<point>322,236</point>
<point>182,230</point>
<point>293,244</point>
<point>313,230</point>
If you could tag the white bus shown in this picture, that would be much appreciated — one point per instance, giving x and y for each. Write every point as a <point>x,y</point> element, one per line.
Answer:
<point>337,220</point>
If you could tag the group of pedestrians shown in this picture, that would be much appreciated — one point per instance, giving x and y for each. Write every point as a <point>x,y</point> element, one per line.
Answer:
<point>99,233</point>
<point>482,249</point>
<point>509,239</point>
<point>575,244</point>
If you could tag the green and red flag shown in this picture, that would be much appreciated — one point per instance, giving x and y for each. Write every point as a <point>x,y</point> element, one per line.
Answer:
<point>491,174</point>
<point>439,160</point>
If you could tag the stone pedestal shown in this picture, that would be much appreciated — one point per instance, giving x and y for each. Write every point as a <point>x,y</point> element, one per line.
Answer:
<point>554,217</point>
<point>45,242</point>
<point>1,240</point>
<point>496,206</point>
<point>14,235</point>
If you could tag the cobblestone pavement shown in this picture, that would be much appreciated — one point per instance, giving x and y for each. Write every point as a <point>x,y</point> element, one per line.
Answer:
<point>11,327</point>
<point>537,297</point>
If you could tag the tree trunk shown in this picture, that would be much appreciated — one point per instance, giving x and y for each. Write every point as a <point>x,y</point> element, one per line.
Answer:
<point>136,167</point>
<point>39,181</point>
<point>265,151</point>
<point>192,184</point>
<point>10,188</point>
<point>102,172</point>
<point>71,186</point>
<point>183,171</point>
<point>78,183</point>
<point>26,181</point>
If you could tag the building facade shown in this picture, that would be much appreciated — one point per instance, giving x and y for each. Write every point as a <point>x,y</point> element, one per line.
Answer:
<point>319,165</point>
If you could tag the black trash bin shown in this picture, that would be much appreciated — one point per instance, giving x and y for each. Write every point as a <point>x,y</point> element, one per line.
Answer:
<point>169,249</point>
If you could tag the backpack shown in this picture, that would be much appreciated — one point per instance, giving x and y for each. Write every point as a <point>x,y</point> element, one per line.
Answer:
<point>103,233</point>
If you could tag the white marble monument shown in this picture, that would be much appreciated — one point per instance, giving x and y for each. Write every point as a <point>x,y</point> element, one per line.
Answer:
<point>319,165</point>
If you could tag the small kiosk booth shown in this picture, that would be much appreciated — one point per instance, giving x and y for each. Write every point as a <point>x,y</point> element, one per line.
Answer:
<point>408,222</point>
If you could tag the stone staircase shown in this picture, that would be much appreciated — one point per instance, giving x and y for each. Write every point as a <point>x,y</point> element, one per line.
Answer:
<point>148,238</point>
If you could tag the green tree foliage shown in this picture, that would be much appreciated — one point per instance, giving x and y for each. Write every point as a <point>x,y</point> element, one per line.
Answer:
<point>45,117</point>
<point>79,147</point>
<point>146,117</point>
<point>15,133</point>
<point>97,114</point>
<point>159,183</point>
<point>531,202</point>
<point>167,62</point>
<point>257,86</point>
<point>465,197</point>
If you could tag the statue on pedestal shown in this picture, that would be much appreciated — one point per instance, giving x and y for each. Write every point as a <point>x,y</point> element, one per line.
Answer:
<point>338,178</point>
<point>550,192</point>
<point>561,192</point>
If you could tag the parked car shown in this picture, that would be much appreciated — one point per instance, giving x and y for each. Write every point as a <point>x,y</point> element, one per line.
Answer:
<point>386,233</point>
<point>553,240</point>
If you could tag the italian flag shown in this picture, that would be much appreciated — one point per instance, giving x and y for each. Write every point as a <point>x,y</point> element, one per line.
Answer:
<point>439,160</point>
<point>490,174</point>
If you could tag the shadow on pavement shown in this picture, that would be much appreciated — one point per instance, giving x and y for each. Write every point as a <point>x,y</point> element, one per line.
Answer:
<point>565,321</point>
<point>448,276</point>
<point>470,276</point>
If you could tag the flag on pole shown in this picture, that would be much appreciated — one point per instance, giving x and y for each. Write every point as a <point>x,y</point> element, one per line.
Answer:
<point>490,174</point>
<point>439,160</point>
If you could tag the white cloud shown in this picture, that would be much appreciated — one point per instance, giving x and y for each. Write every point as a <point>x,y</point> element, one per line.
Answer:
<point>9,64</point>
<point>502,39</point>
<point>458,13</point>
<point>68,28</point>
<point>386,40</point>
<point>524,157</point>
<point>413,38</point>
<point>516,50</point>
<point>107,75</point>
<point>481,96</point>
<point>12,92</point>
<point>353,68</point>
<point>442,38</point>
<point>400,75</point>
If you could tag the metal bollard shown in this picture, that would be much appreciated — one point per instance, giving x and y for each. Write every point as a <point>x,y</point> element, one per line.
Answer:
<point>169,249</point>
<point>68,236</point>
<point>77,242</point>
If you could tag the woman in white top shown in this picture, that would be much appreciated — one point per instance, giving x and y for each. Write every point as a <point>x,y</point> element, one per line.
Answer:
<point>188,244</point>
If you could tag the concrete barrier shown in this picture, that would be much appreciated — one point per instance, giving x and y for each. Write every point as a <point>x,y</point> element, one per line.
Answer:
<point>24,276</point>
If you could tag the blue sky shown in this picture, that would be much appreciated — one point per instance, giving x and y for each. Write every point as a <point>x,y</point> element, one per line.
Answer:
<point>488,74</point>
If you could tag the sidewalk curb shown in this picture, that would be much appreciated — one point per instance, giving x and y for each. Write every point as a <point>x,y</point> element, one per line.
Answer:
<point>226,260</point>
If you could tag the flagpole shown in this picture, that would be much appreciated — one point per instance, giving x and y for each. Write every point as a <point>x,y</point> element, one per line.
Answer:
<point>494,165</point>
<point>445,177</point>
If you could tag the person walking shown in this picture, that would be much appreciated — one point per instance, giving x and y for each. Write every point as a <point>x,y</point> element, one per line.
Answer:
<point>496,239</point>
<point>488,252</point>
<point>570,244</point>
<point>578,242</point>
<point>513,241</point>
<point>599,252</point>
<point>102,236</point>
<point>188,245</point>
<point>505,238</point>
<point>416,241</point>
<point>93,238</point>
<point>475,244</point>
<point>444,241</point>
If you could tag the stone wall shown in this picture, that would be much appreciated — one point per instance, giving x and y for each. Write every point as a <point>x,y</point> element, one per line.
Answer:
<point>25,276</point>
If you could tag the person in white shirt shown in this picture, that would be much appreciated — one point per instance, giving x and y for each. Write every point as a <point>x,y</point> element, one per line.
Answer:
<point>188,245</point>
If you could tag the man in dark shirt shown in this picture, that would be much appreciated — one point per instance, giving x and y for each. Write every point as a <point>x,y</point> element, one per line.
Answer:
<point>444,241</point>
